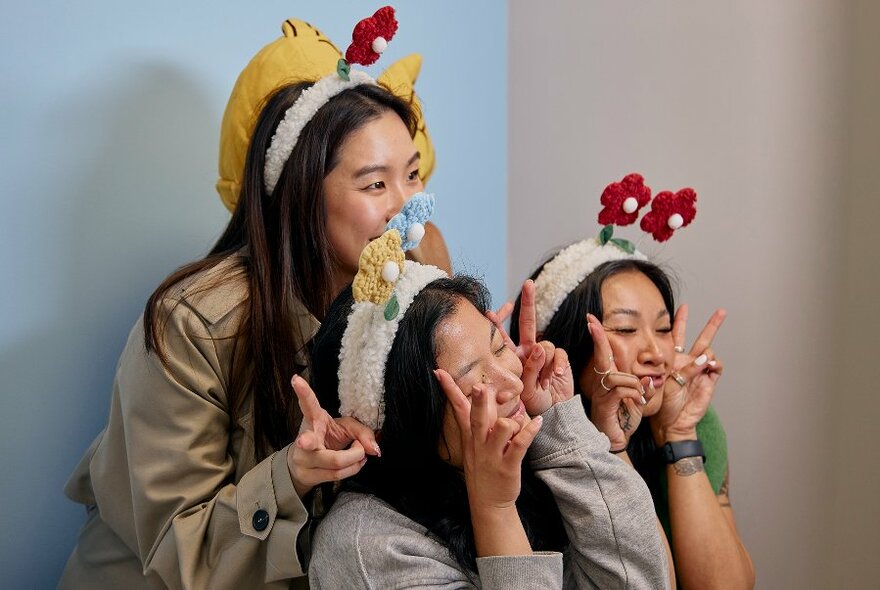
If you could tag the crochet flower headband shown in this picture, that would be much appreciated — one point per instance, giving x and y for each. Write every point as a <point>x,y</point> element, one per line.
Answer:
<point>383,290</point>
<point>622,202</point>
<point>369,39</point>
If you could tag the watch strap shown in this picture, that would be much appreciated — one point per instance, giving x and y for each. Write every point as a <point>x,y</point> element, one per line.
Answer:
<point>674,451</point>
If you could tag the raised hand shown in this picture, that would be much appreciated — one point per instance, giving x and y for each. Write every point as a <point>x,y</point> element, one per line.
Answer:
<point>492,447</point>
<point>547,377</point>
<point>689,389</point>
<point>326,449</point>
<point>617,399</point>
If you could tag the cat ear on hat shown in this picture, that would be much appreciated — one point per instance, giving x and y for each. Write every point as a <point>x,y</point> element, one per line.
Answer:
<point>301,54</point>
<point>400,79</point>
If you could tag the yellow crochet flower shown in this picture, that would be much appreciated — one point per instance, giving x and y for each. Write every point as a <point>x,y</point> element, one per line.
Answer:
<point>380,264</point>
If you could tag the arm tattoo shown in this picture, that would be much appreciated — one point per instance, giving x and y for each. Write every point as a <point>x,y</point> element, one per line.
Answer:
<point>624,418</point>
<point>688,466</point>
<point>724,490</point>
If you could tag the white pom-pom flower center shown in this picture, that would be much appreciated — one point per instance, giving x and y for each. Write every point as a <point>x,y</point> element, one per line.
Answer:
<point>379,44</point>
<point>675,221</point>
<point>416,232</point>
<point>630,205</point>
<point>390,271</point>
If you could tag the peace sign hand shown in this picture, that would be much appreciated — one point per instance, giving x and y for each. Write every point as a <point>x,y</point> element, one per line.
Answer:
<point>617,399</point>
<point>547,377</point>
<point>326,449</point>
<point>690,387</point>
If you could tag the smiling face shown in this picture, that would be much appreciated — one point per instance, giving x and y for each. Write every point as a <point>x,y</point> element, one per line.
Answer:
<point>639,330</point>
<point>377,171</point>
<point>473,352</point>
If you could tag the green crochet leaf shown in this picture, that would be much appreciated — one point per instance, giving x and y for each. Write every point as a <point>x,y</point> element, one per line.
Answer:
<point>392,308</point>
<point>606,234</point>
<point>342,68</point>
<point>624,245</point>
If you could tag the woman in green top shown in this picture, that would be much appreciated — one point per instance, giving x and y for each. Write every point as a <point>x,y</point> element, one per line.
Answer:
<point>643,390</point>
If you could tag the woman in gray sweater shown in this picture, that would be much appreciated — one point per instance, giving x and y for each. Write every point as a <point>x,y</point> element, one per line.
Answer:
<point>490,474</point>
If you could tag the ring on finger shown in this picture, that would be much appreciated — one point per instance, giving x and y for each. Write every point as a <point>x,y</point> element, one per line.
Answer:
<point>679,348</point>
<point>603,373</point>
<point>678,378</point>
<point>602,382</point>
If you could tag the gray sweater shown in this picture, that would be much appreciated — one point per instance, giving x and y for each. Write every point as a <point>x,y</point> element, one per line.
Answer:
<point>606,508</point>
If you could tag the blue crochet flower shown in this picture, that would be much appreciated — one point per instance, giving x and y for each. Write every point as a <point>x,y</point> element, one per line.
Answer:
<point>410,222</point>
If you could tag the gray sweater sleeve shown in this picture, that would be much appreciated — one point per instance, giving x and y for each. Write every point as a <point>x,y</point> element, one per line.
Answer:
<point>606,507</point>
<point>364,543</point>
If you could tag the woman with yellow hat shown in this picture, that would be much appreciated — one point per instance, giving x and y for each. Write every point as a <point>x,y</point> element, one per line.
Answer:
<point>202,476</point>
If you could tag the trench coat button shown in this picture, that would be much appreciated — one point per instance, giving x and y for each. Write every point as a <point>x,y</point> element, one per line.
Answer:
<point>261,520</point>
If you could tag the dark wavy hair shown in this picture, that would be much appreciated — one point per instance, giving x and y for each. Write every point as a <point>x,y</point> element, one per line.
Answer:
<point>285,254</point>
<point>568,330</point>
<point>411,476</point>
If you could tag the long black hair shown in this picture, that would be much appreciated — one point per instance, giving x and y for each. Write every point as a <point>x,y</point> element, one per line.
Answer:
<point>411,476</point>
<point>285,254</point>
<point>568,330</point>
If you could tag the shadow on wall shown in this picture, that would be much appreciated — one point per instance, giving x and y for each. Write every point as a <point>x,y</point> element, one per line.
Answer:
<point>139,204</point>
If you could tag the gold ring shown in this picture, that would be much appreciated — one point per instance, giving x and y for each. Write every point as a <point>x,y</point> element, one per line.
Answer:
<point>598,372</point>
<point>602,382</point>
<point>678,378</point>
<point>679,348</point>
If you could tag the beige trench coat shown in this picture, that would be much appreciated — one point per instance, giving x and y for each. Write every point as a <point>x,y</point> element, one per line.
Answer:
<point>173,494</point>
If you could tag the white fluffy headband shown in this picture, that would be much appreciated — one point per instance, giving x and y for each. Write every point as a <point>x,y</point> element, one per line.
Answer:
<point>383,289</point>
<point>298,116</point>
<point>566,270</point>
<point>368,40</point>
<point>367,341</point>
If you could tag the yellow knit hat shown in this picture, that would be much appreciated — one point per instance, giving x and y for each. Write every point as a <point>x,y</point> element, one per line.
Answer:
<point>301,54</point>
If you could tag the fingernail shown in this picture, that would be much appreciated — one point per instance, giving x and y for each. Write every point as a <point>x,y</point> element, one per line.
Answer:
<point>589,327</point>
<point>651,384</point>
<point>546,384</point>
<point>701,360</point>
<point>539,420</point>
<point>713,363</point>
<point>363,461</point>
<point>644,401</point>
<point>378,450</point>
<point>560,370</point>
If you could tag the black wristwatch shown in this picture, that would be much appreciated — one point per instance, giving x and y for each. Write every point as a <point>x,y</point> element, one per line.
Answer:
<point>674,451</point>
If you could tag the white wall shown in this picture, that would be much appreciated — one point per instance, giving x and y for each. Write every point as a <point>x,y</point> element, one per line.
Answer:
<point>751,103</point>
<point>110,121</point>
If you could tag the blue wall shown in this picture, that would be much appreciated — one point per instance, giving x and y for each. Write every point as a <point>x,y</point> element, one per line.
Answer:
<point>110,123</point>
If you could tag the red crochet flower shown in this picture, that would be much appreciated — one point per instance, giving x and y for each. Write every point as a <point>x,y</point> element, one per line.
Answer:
<point>365,44</point>
<point>623,200</point>
<point>670,211</point>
